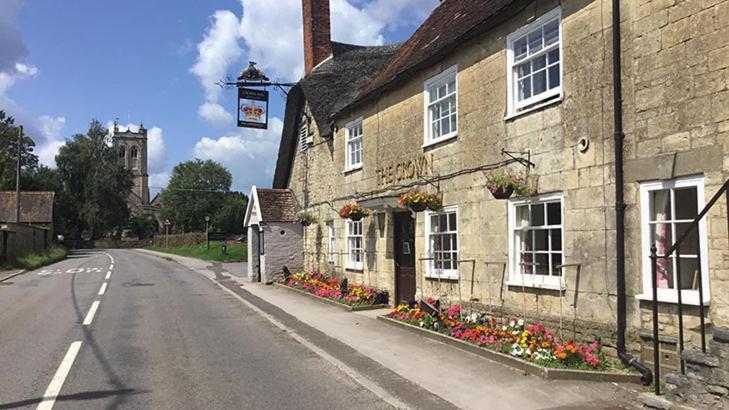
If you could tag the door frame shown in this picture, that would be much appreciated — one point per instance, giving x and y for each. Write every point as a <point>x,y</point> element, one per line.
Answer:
<point>395,241</point>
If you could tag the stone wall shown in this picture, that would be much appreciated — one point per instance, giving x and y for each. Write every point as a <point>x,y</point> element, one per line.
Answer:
<point>675,123</point>
<point>17,240</point>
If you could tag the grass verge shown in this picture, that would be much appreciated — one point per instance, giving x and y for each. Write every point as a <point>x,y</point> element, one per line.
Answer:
<point>237,252</point>
<point>37,260</point>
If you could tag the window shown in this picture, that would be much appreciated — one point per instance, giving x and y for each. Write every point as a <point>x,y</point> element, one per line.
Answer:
<point>304,135</point>
<point>536,241</point>
<point>332,242</point>
<point>354,244</point>
<point>442,243</point>
<point>668,208</point>
<point>354,145</point>
<point>441,111</point>
<point>534,68</point>
<point>134,154</point>
<point>122,153</point>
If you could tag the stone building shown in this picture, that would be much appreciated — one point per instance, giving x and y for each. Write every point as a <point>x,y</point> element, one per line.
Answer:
<point>486,85</point>
<point>132,150</point>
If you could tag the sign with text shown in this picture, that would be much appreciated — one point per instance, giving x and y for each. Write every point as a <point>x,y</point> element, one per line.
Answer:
<point>405,170</point>
<point>252,108</point>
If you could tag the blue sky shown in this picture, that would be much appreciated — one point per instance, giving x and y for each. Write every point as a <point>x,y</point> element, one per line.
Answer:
<point>64,63</point>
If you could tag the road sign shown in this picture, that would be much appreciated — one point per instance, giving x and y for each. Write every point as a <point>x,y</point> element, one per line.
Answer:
<point>167,222</point>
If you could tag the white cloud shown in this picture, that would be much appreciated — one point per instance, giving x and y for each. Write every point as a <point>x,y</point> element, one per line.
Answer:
<point>215,114</point>
<point>216,52</point>
<point>249,155</point>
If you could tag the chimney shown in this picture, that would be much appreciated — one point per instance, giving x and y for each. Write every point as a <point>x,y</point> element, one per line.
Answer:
<point>317,33</point>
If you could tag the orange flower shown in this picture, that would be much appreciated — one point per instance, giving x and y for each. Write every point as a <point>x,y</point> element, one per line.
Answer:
<point>561,355</point>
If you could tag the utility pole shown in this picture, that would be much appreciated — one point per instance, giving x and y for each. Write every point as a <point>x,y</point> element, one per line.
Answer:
<point>17,175</point>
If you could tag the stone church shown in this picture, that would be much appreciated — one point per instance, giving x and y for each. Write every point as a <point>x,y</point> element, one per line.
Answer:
<point>132,151</point>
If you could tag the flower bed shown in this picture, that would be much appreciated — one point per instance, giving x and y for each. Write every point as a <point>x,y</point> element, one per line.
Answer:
<point>533,344</point>
<point>323,286</point>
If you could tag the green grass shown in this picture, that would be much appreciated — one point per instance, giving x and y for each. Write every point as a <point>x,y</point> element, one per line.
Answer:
<point>37,260</point>
<point>236,252</point>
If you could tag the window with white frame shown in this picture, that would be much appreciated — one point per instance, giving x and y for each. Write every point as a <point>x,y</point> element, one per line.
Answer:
<point>536,241</point>
<point>442,243</point>
<point>304,135</point>
<point>441,110</point>
<point>354,244</point>
<point>331,242</point>
<point>353,145</point>
<point>668,208</point>
<point>534,63</point>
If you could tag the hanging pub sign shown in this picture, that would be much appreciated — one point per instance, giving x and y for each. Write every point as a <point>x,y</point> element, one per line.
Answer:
<point>252,108</point>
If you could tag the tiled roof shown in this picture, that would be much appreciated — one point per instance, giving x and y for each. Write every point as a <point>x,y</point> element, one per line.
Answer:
<point>35,207</point>
<point>452,23</point>
<point>277,205</point>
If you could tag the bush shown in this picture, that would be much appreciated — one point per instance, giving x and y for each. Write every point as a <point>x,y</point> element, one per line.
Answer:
<point>37,260</point>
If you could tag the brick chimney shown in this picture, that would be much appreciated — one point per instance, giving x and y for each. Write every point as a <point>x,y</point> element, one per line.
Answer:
<point>317,33</point>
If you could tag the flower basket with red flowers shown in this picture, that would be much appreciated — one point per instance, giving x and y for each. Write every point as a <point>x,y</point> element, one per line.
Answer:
<point>420,201</point>
<point>353,212</point>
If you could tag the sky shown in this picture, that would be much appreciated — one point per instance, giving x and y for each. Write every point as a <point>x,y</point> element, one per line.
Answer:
<point>64,63</point>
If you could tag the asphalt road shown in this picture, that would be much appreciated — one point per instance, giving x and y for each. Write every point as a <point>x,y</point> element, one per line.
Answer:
<point>160,337</point>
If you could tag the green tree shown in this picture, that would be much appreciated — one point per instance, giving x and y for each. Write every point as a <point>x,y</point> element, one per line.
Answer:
<point>94,185</point>
<point>9,152</point>
<point>196,189</point>
<point>229,217</point>
<point>143,226</point>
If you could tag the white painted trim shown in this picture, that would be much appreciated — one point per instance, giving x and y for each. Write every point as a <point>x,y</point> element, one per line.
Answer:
<point>445,74</point>
<point>430,271</point>
<point>511,104</point>
<point>347,166</point>
<point>350,264</point>
<point>516,278</point>
<point>253,202</point>
<point>688,296</point>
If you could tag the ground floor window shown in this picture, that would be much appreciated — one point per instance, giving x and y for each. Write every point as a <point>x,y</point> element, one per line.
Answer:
<point>668,208</point>
<point>536,241</point>
<point>354,244</point>
<point>331,243</point>
<point>442,243</point>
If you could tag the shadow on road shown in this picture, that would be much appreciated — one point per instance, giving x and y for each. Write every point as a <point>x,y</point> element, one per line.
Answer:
<point>90,395</point>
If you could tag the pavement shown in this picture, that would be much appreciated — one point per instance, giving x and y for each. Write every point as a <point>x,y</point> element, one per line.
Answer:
<point>415,371</point>
<point>8,274</point>
<point>124,329</point>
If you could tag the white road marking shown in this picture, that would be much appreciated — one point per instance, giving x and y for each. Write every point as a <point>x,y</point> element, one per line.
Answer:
<point>108,275</point>
<point>90,316</point>
<point>111,266</point>
<point>54,388</point>
<point>103,289</point>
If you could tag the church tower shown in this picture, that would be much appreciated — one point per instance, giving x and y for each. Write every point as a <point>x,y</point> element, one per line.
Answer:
<point>131,149</point>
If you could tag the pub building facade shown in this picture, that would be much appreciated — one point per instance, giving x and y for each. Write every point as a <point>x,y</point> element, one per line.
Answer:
<point>525,86</point>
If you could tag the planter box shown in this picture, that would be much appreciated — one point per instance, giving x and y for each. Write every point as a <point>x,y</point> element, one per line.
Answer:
<point>332,302</point>
<point>516,363</point>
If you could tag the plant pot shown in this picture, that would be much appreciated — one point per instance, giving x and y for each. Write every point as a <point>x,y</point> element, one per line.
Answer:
<point>355,217</point>
<point>305,223</point>
<point>419,207</point>
<point>503,192</point>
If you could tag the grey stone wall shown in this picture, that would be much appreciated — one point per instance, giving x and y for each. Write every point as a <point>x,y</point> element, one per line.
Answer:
<point>283,244</point>
<point>17,240</point>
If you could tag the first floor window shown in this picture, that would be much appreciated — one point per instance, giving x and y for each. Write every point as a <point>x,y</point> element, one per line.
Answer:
<point>442,243</point>
<point>441,117</point>
<point>354,145</point>
<point>536,241</point>
<point>668,208</point>
<point>331,242</point>
<point>534,63</point>
<point>354,244</point>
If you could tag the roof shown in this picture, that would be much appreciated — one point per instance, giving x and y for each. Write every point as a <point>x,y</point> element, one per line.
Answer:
<point>332,85</point>
<point>35,207</point>
<point>338,80</point>
<point>452,23</point>
<point>276,205</point>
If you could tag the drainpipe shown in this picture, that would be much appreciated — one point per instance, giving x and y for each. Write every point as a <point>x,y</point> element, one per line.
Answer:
<point>627,359</point>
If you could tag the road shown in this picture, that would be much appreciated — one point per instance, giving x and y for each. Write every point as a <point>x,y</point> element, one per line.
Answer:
<point>121,329</point>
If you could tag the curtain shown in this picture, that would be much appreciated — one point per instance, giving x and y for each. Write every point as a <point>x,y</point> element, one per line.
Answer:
<point>662,207</point>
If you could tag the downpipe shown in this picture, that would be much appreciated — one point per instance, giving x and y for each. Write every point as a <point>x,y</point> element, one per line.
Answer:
<point>627,360</point>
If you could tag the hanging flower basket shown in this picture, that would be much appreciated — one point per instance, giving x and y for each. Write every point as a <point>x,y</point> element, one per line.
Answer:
<point>353,212</point>
<point>306,218</point>
<point>502,184</point>
<point>420,201</point>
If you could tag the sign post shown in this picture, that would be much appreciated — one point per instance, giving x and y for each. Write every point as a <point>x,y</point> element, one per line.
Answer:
<point>252,108</point>
<point>207,231</point>
<point>167,233</point>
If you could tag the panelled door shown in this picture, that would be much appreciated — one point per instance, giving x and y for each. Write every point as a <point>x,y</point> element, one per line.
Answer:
<point>404,242</point>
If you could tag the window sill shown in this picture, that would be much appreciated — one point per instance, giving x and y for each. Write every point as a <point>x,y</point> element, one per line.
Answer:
<point>539,106</point>
<point>440,140</point>
<point>444,276</point>
<point>691,300</point>
<point>354,270</point>
<point>547,286</point>
<point>352,170</point>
